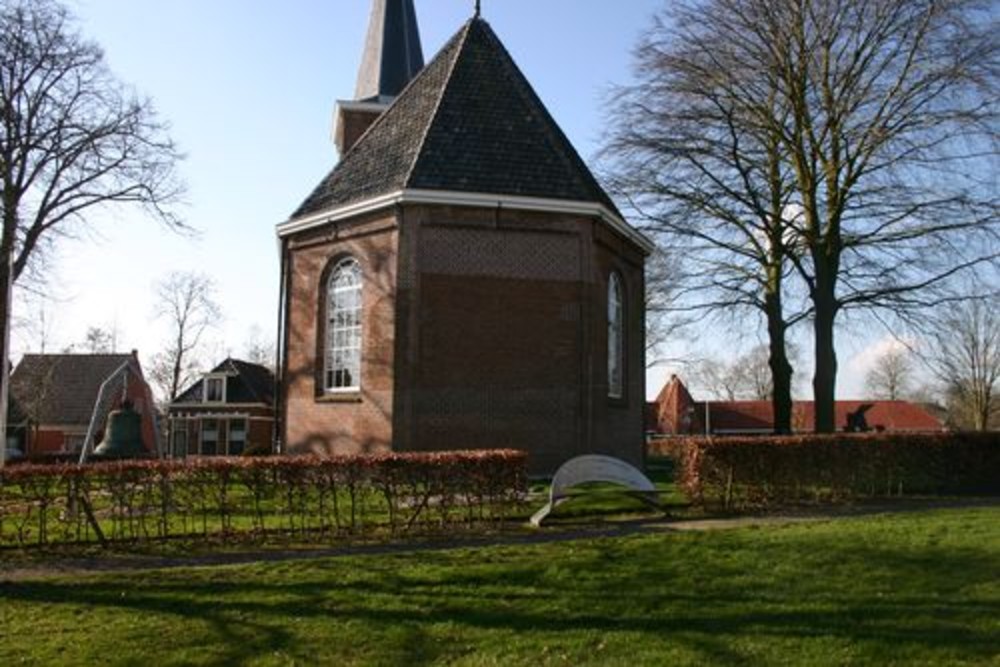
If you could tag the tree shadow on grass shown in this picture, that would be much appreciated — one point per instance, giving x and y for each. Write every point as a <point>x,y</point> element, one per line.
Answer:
<point>659,591</point>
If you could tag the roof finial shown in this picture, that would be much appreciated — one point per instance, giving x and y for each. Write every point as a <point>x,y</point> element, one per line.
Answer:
<point>479,8</point>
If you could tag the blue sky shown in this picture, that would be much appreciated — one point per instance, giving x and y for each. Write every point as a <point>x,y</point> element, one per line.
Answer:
<point>249,88</point>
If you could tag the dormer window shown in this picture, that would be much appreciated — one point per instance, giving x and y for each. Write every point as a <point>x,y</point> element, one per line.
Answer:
<point>215,389</point>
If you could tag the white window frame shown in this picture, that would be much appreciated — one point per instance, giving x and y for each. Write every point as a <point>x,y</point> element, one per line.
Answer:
<point>201,436</point>
<point>344,340</point>
<point>229,434</point>
<point>616,336</point>
<point>204,387</point>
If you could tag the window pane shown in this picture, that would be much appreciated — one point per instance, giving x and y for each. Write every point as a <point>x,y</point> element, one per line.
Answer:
<point>237,436</point>
<point>616,337</point>
<point>343,354</point>
<point>213,389</point>
<point>209,437</point>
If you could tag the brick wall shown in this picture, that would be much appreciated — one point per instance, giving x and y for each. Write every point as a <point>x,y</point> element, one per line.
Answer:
<point>351,124</point>
<point>618,423</point>
<point>50,439</point>
<point>494,335</point>
<point>504,346</point>
<point>343,424</point>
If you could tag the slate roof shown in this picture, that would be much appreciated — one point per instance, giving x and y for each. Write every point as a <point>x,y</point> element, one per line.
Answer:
<point>245,383</point>
<point>61,388</point>
<point>392,55</point>
<point>469,122</point>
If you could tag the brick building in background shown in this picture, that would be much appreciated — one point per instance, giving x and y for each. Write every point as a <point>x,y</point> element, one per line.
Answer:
<point>228,411</point>
<point>52,400</point>
<point>459,280</point>
<point>675,412</point>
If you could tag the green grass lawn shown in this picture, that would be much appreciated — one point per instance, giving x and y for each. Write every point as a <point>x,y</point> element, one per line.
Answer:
<point>917,588</point>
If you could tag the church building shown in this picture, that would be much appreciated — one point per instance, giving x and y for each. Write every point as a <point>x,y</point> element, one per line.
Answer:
<point>459,280</point>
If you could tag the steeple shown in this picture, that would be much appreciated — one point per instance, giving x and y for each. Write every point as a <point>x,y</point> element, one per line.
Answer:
<point>392,57</point>
<point>392,53</point>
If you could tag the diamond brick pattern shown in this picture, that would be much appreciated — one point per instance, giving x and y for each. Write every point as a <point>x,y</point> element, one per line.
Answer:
<point>500,254</point>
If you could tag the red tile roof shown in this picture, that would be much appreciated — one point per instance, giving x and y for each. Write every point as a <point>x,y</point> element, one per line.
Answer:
<point>754,416</point>
<point>675,412</point>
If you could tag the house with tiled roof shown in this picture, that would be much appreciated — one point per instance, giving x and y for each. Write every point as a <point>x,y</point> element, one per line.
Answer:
<point>54,397</point>
<point>226,412</point>
<point>675,412</point>
<point>459,280</point>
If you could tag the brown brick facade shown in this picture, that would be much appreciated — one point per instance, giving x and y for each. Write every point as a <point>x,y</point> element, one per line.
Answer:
<point>482,328</point>
<point>351,423</point>
<point>351,124</point>
<point>187,425</point>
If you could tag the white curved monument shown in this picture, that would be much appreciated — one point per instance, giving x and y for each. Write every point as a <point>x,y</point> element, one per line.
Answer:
<point>595,468</point>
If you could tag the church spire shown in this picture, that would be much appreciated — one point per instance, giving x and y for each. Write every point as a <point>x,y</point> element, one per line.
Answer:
<point>392,53</point>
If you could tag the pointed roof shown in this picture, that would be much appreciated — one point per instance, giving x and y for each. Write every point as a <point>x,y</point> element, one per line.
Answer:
<point>246,382</point>
<point>469,122</point>
<point>62,388</point>
<point>392,55</point>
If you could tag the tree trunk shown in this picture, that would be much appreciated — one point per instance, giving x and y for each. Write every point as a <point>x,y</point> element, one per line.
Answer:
<point>781,369</point>
<point>7,276</point>
<point>825,378</point>
<point>5,310</point>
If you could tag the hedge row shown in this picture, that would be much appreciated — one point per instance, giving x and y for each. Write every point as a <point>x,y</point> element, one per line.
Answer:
<point>228,498</point>
<point>740,472</point>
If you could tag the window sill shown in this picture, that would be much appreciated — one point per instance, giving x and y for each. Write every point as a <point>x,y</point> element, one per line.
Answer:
<point>340,397</point>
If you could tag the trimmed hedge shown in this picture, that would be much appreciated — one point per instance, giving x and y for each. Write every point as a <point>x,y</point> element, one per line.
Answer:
<point>226,498</point>
<point>740,472</point>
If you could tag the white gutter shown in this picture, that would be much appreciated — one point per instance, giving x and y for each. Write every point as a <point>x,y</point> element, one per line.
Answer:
<point>452,198</point>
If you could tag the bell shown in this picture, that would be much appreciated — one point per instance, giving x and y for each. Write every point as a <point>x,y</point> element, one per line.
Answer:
<point>122,435</point>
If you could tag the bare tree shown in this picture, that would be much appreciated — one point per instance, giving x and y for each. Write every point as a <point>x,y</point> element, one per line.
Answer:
<point>879,121</point>
<point>891,376</point>
<point>35,322</point>
<point>30,398</point>
<point>893,141</point>
<point>663,323</point>
<point>699,170</point>
<point>258,349</point>
<point>757,378</point>
<point>747,377</point>
<point>965,344</point>
<point>73,139</point>
<point>718,379</point>
<point>98,341</point>
<point>187,302</point>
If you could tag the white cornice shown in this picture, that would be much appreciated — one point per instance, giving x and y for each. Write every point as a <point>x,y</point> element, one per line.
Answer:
<point>476,200</point>
<point>376,107</point>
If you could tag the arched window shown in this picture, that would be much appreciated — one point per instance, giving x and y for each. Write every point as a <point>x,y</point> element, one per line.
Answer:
<point>343,327</point>
<point>616,337</point>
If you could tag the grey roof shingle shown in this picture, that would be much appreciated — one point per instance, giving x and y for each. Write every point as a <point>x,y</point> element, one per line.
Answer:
<point>245,383</point>
<point>469,122</point>
<point>61,388</point>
